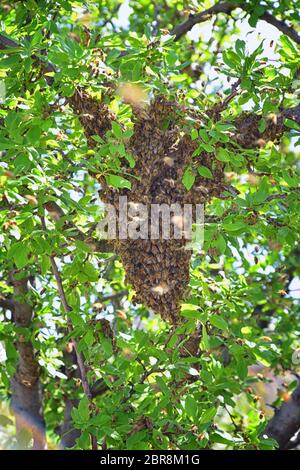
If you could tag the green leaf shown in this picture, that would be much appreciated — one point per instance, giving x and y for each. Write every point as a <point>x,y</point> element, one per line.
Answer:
<point>136,440</point>
<point>33,135</point>
<point>205,344</point>
<point>117,130</point>
<point>232,59</point>
<point>253,20</point>
<point>137,71</point>
<point>218,322</point>
<point>191,314</point>
<point>91,272</point>
<point>223,155</point>
<point>20,252</point>
<point>204,136</point>
<point>67,89</point>
<point>220,439</point>
<point>262,125</point>
<point>240,47</point>
<point>84,441</point>
<point>208,415</point>
<point>209,148</point>
<point>162,385</point>
<point>234,226</point>
<point>259,10</point>
<point>188,178</point>
<point>291,124</point>
<point>83,409</point>
<point>117,181</point>
<point>190,406</point>
<point>289,51</point>
<point>107,346</point>
<point>130,160</point>
<point>194,134</point>
<point>220,244</point>
<point>205,172</point>
<point>262,193</point>
<point>241,368</point>
<point>89,338</point>
<point>45,264</point>
<point>5,421</point>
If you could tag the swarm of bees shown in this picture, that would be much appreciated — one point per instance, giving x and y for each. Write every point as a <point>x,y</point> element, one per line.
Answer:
<point>95,117</point>
<point>158,269</point>
<point>249,134</point>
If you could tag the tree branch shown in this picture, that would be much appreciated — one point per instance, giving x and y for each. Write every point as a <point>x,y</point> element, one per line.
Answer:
<point>183,28</point>
<point>282,26</point>
<point>26,399</point>
<point>227,8</point>
<point>68,433</point>
<point>56,212</point>
<point>286,421</point>
<point>66,430</point>
<point>7,303</point>
<point>115,295</point>
<point>7,43</point>
<point>79,355</point>
<point>282,196</point>
<point>247,135</point>
<point>292,113</point>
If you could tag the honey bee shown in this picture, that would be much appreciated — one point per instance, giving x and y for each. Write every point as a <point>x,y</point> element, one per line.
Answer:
<point>158,269</point>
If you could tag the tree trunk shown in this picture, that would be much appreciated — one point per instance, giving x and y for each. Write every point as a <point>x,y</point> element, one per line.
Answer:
<point>26,399</point>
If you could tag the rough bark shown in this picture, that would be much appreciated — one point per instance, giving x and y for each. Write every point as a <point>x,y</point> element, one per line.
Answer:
<point>227,8</point>
<point>68,433</point>
<point>247,127</point>
<point>26,401</point>
<point>286,421</point>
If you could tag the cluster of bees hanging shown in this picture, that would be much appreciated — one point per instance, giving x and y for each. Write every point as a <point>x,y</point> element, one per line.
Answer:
<point>249,135</point>
<point>157,269</point>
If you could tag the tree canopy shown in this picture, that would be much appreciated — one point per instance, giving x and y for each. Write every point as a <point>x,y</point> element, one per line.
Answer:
<point>145,345</point>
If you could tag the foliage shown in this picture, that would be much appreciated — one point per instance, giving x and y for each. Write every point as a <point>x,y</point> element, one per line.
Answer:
<point>153,395</point>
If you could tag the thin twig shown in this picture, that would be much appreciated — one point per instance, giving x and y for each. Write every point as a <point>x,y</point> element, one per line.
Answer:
<point>282,196</point>
<point>219,107</point>
<point>79,355</point>
<point>227,8</point>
